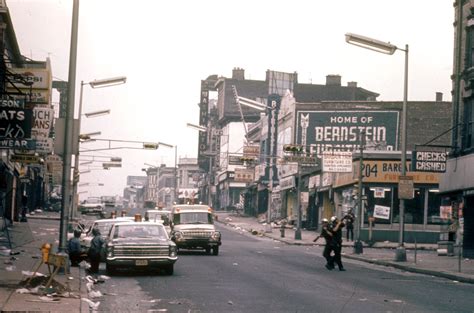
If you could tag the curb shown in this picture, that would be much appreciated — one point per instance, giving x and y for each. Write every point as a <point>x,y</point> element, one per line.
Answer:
<point>407,268</point>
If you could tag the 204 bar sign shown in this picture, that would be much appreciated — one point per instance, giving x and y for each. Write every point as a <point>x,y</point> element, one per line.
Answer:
<point>16,123</point>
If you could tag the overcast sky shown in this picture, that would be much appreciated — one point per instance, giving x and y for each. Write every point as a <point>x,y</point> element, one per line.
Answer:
<point>165,48</point>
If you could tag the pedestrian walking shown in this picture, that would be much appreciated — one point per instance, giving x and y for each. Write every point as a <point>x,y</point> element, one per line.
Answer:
<point>349,221</point>
<point>74,249</point>
<point>95,251</point>
<point>336,229</point>
<point>328,247</point>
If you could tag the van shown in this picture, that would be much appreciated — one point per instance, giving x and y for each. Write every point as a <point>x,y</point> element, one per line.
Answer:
<point>193,228</point>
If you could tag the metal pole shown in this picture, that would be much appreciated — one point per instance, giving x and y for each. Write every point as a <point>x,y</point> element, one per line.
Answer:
<point>209,196</point>
<point>68,131</point>
<point>298,205</point>
<point>270,162</point>
<point>176,174</point>
<point>75,178</point>
<point>358,247</point>
<point>401,255</point>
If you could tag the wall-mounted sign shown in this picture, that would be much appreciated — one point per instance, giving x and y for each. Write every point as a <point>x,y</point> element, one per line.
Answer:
<point>337,161</point>
<point>405,187</point>
<point>244,175</point>
<point>429,161</point>
<point>251,151</point>
<point>341,130</point>
<point>25,158</point>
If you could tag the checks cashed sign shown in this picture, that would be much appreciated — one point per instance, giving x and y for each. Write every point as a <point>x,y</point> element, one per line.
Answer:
<point>341,130</point>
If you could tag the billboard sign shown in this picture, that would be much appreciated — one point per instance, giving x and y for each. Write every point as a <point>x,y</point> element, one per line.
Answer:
<point>341,130</point>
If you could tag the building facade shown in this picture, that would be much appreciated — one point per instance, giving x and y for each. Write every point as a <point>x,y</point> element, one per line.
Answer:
<point>457,184</point>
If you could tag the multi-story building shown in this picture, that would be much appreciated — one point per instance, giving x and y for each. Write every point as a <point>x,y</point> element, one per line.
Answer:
<point>335,126</point>
<point>457,184</point>
<point>227,124</point>
<point>188,177</point>
<point>25,87</point>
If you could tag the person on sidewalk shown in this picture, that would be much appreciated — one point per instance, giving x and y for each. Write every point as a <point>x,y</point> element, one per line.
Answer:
<point>336,229</point>
<point>76,254</point>
<point>328,247</point>
<point>95,251</point>
<point>349,220</point>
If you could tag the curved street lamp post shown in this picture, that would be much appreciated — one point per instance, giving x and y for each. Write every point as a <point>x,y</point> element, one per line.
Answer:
<point>388,48</point>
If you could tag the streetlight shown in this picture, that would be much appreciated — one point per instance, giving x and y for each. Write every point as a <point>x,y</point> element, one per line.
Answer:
<point>175,167</point>
<point>272,123</point>
<point>211,155</point>
<point>101,83</point>
<point>388,48</point>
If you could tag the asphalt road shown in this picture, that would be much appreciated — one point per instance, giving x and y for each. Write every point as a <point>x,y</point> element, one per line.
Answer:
<point>254,274</point>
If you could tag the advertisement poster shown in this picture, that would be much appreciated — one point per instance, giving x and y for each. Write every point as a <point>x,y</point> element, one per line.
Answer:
<point>382,212</point>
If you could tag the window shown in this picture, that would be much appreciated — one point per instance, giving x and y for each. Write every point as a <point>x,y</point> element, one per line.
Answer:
<point>469,57</point>
<point>468,129</point>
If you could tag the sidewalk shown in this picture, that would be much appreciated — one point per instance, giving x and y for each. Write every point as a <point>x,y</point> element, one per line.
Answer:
<point>424,259</point>
<point>18,264</point>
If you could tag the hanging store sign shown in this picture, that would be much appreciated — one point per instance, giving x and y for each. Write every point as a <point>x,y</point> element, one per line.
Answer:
<point>429,161</point>
<point>26,144</point>
<point>16,123</point>
<point>43,122</point>
<point>287,182</point>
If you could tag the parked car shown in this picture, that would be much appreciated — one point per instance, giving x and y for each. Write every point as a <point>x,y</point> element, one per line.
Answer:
<point>163,216</point>
<point>193,228</point>
<point>140,245</point>
<point>104,226</point>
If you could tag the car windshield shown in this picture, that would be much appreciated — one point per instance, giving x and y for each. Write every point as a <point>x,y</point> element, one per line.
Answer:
<point>157,216</point>
<point>140,231</point>
<point>193,218</point>
<point>104,228</point>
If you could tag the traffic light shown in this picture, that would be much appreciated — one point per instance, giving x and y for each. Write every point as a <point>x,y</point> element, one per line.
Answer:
<point>150,146</point>
<point>84,137</point>
<point>247,159</point>
<point>295,149</point>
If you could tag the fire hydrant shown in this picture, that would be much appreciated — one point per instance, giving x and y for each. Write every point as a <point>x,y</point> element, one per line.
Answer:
<point>45,248</point>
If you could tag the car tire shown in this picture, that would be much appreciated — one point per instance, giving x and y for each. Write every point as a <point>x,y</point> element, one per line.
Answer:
<point>110,269</point>
<point>208,250</point>
<point>215,250</point>
<point>169,269</point>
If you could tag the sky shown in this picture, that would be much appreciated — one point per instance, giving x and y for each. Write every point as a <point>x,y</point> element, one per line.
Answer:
<point>165,49</point>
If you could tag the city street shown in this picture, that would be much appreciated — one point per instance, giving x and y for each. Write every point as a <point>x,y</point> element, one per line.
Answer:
<point>256,274</point>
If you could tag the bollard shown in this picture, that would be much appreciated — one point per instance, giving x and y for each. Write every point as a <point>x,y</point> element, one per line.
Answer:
<point>282,230</point>
<point>459,258</point>
<point>416,250</point>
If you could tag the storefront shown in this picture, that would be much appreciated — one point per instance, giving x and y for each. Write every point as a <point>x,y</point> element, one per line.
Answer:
<point>423,219</point>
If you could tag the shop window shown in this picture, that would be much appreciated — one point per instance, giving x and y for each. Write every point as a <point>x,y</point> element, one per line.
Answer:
<point>439,208</point>
<point>378,196</point>
<point>414,208</point>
